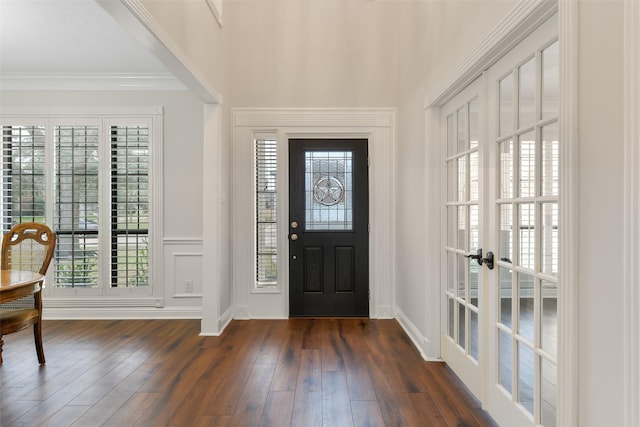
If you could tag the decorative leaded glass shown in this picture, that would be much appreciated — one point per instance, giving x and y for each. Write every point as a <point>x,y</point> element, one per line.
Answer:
<point>329,190</point>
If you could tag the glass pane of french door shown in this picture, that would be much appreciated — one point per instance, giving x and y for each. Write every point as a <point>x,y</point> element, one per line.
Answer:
<point>525,209</point>
<point>461,342</point>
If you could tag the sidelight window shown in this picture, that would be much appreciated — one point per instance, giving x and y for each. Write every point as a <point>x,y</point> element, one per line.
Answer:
<point>266,209</point>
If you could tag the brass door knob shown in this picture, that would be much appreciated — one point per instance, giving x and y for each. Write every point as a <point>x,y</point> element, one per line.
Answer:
<point>294,236</point>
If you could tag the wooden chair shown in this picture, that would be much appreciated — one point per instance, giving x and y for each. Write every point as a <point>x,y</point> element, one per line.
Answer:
<point>28,246</point>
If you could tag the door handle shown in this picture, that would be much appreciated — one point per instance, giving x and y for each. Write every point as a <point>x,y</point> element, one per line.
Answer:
<point>294,237</point>
<point>478,257</point>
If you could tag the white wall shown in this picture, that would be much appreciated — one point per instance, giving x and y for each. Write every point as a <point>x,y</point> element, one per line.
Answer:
<point>182,235</point>
<point>436,37</point>
<point>601,210</point>
<point>312,53</point>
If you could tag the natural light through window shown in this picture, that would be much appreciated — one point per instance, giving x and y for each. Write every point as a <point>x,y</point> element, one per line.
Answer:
<point>266,213</point>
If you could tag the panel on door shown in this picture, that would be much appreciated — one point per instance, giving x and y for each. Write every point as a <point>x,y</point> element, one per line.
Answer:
<point>328,227</point>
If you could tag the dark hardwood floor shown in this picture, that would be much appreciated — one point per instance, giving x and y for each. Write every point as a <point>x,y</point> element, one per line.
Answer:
<point>296,372</point>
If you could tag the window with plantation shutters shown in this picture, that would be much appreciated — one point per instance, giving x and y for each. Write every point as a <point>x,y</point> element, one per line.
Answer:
<point>129,206</point>
<point>266,225</point>
<point>23,175</point>
<point>90,179</point>
<point>76,215</point>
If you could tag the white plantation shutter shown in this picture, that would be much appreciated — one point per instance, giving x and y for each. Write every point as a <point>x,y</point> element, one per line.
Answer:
<point>266,226</point>
<point>90,178</point>
<point>76,216</point>
<point>129,206</point>
<point>23,175</point>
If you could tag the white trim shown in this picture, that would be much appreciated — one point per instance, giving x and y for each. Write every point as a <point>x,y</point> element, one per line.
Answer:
<point>241,312</point>
<point>76,303</point>
<point>523,19</point>
<point>215,6</point>
<point>84,111</point>
<point>568,321</point>
<point>117,313</point>
<point>379,126</point>
<point>631,212</point>
<point>135,18</point>
<point>213,201</point>
<point>90,82</point>
<point>435,318</point>
<point>183,241</point>
<point>176,283</point>
<point>420,341</point>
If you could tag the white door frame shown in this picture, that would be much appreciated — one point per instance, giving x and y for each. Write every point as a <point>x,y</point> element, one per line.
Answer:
<point>379,127</point>
<point>524,18</point>
<point>632,212</point>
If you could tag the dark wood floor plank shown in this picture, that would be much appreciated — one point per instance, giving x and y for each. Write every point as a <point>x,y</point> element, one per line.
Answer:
<point>329,342</point>
<point>336,407</point>
<point>254,396</point>
<point>171,399</point>
<point>129,413</point>
<point>60,391</point>
<point>66,416</point>
<point>310,371</point>
<point>367,414</point>
<point>278,409</point>
<point>288,363</point>
<point>426,409</point>
<point>214,421</point>
<point>272,345</point>
<point>295,372</point>
<point>307,409</point>
<point>117,397</point>
<point>244,347</point>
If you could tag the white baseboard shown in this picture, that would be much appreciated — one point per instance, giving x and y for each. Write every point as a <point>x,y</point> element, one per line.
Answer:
<point>241,312</point>
<point>225,319</point>
<point>384,312</point>
<point>110,313</point>
<point>419,340</point>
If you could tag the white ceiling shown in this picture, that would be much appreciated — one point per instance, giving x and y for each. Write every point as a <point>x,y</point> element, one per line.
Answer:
<point>59,42</point>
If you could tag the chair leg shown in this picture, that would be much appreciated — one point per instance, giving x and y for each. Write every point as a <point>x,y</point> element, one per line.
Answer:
<point>37,334</point>
<point>1,344</point>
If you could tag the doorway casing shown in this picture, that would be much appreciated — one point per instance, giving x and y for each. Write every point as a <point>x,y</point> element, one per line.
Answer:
<point>378,126</point>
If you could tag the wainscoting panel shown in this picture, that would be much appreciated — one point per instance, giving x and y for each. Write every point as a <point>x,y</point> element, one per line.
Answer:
<point>182,271</point>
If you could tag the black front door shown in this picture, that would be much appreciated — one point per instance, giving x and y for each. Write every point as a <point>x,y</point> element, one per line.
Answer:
<point>328,227</point>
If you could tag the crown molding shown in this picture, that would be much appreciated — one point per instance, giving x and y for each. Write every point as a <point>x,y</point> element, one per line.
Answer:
<point>137,20</point>
<point>523,19</point>
<point>89,82</point>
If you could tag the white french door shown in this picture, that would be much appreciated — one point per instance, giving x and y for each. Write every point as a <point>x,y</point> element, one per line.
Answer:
<point>462,341</point>
<point>501,250</point>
